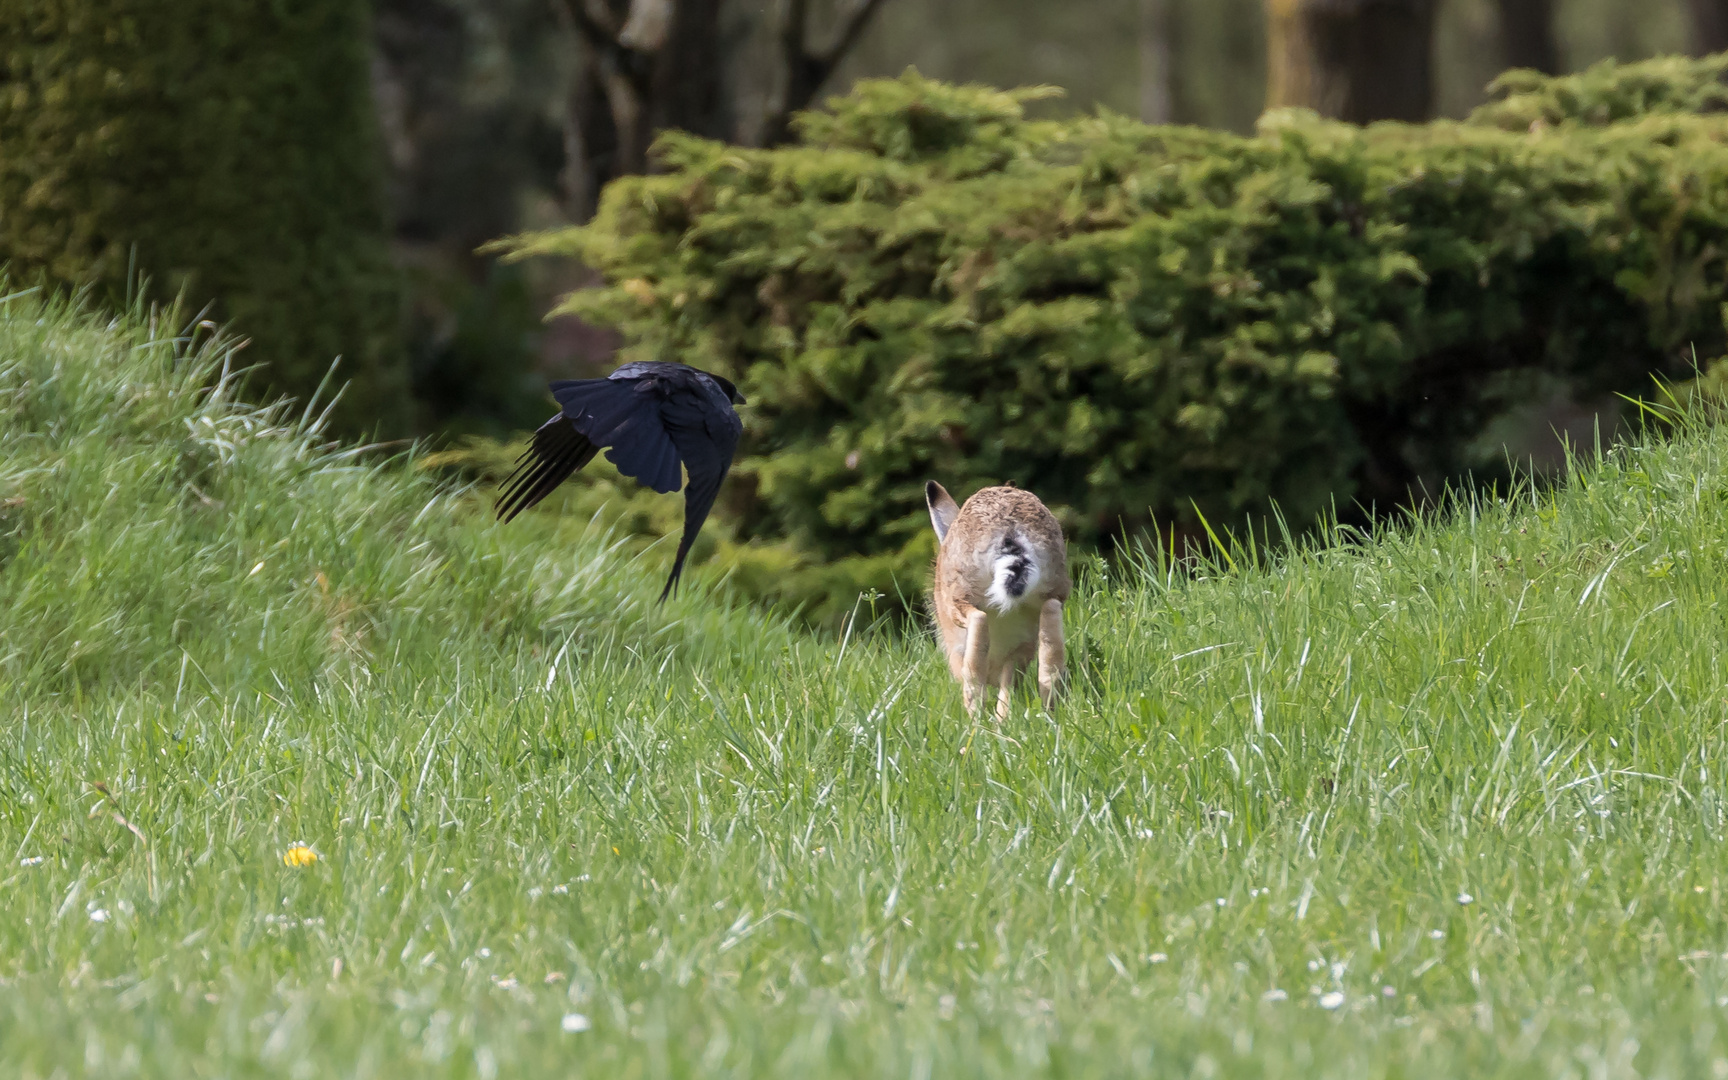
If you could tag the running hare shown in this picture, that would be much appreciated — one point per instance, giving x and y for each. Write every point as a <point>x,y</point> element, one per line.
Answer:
<point>1001,578</point>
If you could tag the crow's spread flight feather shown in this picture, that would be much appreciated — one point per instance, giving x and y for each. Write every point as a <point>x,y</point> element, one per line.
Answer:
<point>650,417</point>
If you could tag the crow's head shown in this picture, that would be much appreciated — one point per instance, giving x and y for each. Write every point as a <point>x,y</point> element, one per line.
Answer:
<point>732,393</point>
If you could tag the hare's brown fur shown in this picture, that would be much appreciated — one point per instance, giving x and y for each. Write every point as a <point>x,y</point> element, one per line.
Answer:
<point>1001,580</point>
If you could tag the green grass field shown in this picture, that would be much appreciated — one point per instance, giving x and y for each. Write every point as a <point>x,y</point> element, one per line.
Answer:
<point>1446,803</point>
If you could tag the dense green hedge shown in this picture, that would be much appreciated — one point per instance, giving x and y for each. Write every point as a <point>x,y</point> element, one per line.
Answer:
<point>1136,321</point>
<point>224,147</point>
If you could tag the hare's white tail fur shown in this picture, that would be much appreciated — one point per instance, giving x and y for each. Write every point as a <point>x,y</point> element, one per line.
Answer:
<point>1014,572</point>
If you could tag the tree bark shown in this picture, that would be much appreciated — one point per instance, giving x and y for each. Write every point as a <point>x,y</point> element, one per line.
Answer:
<point>1355,60</point>
<point>1709,25</point>
<point>1155,31</point>
<point>1527,35</point>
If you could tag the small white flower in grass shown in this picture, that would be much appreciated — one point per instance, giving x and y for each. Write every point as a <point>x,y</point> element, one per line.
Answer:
<point>1157,958</point>
<point>1274,995</point>
<point>1222,902</point>
<point>1437,934</point>
<point>1313,965</point>
<point>560,890</point>
<point>97,914</point>
<point>1465,898</point>
<point>574,1022</point>
<point>34,860</point>
<point>1388,991</point>
<point>1338,971</point>
<point>484,953</point>
<point>1332,999</point>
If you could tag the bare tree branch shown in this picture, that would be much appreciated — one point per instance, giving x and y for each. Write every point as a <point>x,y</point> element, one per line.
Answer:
<point>591,20</point>
<point>599,15</point>
<point>804,69</point>
<point>1155,80</point>
<point>648,25</point>
<point>853,23</point>
<point>648,66</point>
<point>656,65</point>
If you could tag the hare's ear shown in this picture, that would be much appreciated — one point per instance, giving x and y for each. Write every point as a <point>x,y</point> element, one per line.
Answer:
<point>942,509</point>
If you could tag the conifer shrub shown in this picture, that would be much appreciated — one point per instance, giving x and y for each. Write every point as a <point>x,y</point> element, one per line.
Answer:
<point>1155,323</point>
<point>223,149</point>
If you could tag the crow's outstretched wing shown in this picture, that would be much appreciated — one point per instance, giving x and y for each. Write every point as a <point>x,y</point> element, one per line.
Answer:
<point>652,418</point>
<point>623,415</point>
<point>557,451</point>
<point>700,422</point>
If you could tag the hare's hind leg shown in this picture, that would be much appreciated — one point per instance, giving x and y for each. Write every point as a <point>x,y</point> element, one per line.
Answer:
<point>1052,654</point>
<point>977,659</point>
<point>1003,695</point>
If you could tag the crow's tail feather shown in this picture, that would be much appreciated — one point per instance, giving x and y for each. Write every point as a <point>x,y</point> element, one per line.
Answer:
<point>684,543</point>
<point>557,451</point>
<point>698,500</point>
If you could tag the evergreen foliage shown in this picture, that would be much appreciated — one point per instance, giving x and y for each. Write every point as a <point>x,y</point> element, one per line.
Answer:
<point>1607,93</point>
<point>1148,323</point>
<point>221,148</point>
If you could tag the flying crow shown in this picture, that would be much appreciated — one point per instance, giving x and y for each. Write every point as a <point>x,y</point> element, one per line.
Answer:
<point>649,416</point>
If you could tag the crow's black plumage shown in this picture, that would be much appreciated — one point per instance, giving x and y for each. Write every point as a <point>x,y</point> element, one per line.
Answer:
<point>649,417</point>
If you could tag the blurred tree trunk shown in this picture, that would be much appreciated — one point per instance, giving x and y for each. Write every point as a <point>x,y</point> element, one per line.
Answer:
<point>1709,25</point>
<point>1155,32</point>
<point>1355,60</point>
<point>1527,35</point>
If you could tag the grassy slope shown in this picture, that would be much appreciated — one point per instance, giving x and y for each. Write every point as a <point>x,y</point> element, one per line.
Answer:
<point>740,851</point>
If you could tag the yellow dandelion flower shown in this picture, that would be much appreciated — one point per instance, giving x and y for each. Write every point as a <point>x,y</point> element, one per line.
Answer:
<point>299,855</point>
